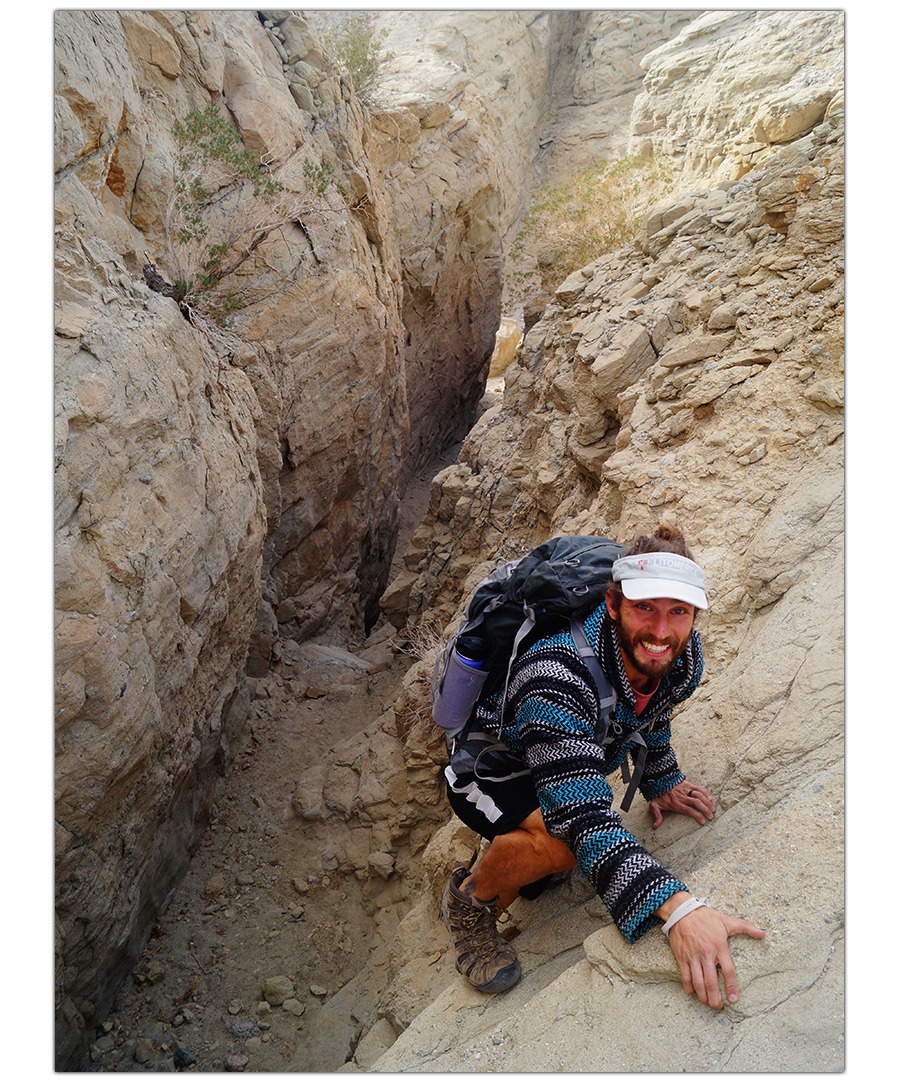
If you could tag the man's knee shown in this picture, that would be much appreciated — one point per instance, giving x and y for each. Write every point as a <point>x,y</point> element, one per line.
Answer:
<point>545,845</point>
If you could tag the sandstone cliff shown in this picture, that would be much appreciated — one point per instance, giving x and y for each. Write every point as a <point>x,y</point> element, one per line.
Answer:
<point>551,90</point>
<point>211,507</point>
<point>695,378</point>
<point>207,505</point>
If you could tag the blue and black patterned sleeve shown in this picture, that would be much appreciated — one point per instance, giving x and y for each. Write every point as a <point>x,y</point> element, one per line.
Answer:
<point>553,708</point>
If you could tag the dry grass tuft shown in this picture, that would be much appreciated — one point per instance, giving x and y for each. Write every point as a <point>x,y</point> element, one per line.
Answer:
<point>594,213</point>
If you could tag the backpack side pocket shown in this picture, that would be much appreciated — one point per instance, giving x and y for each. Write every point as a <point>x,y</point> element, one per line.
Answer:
<point>456,694</point>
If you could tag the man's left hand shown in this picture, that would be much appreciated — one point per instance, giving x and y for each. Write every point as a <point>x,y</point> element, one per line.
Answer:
<point>684,798</point>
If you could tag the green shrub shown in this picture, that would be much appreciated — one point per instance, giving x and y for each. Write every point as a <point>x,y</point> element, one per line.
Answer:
<point>227,204</point>
<point>356,50</point>
<point>597,211</point>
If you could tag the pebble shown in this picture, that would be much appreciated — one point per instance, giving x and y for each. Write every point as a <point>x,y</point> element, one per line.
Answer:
<point>156,974</point>
<point>101,1046</point>
<point>235,1061</point>
<point>241,1027</point>
<point>277,989</point>
<point>215,884</point>
<point>318,991</point>
<point>184,1058</point>
<point>144,1050</point>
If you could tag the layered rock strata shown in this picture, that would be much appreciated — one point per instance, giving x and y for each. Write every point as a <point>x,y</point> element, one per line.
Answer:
<point>210,502</point>
<point>734,84</point>
<point>210,505</point>
<point>551,90</point>
<point>695,378</point>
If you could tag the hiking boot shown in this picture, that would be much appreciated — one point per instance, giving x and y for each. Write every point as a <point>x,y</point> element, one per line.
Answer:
<point>486,960</point>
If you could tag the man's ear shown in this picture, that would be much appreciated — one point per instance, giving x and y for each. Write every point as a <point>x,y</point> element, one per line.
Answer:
<point>610,605</point>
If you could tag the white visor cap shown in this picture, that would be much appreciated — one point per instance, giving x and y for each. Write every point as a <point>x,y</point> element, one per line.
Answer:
<point>657,575</point>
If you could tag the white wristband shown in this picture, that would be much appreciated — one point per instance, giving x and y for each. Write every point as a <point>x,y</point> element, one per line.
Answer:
<point>691,904</point>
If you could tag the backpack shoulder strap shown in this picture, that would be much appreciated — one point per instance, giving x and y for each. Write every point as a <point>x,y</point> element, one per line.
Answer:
<point>607,697</point>
<point>605,692</point>
<point>524,630</point>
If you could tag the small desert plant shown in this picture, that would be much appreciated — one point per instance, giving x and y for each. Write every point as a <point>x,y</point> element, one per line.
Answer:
<point>229,212</point>
<point>424,642</point>
<point>320,176</point>
<point>425,639</point>
<point>568,226</point>
<point>356,50</point>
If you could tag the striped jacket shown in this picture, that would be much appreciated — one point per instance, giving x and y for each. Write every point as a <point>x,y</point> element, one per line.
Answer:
<point>549,721</point>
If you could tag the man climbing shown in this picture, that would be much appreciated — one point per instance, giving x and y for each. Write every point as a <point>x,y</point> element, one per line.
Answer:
<point>559,815</point>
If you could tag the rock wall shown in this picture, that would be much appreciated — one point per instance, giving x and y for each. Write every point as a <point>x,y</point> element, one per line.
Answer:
<point>593,115</point>
<point>695,378</point>
<point>495,66</point>
<point>207,503</point>
<point>551,90</point>
<point>210,504</point>
<point>733,84</point>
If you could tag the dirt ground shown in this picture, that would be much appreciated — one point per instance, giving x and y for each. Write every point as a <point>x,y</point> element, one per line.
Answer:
<point>256,916</point>
<point>254,906</point>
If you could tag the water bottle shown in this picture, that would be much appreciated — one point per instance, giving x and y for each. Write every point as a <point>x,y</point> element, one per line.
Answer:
<point>463,679</point>
<point>473,651</point>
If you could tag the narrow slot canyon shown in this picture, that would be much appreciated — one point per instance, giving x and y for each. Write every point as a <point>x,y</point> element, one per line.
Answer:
<point>278,910</point>
<point>531,274</point>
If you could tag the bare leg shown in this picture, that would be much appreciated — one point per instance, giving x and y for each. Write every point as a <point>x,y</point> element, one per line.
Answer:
<point>517,858</point>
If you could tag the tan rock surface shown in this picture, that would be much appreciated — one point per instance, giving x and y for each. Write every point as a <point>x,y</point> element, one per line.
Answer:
<point>711,399</point>
<point>210,512</point>
<point>551,90</point>
<point>208,505</point>
<point>724,94</point>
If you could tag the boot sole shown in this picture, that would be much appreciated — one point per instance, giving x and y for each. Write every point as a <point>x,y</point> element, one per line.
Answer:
<point>504,979</point>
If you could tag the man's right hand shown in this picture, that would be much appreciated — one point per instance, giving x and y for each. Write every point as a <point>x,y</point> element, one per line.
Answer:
<point>699,942</point>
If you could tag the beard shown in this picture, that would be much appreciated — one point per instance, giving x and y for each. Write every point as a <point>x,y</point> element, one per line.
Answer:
<point>640,660</point>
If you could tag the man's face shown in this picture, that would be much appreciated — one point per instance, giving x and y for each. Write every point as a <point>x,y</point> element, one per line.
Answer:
<point>652,634</point>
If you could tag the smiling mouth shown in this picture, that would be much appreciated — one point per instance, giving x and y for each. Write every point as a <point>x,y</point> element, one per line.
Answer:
<point>654,650</point>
